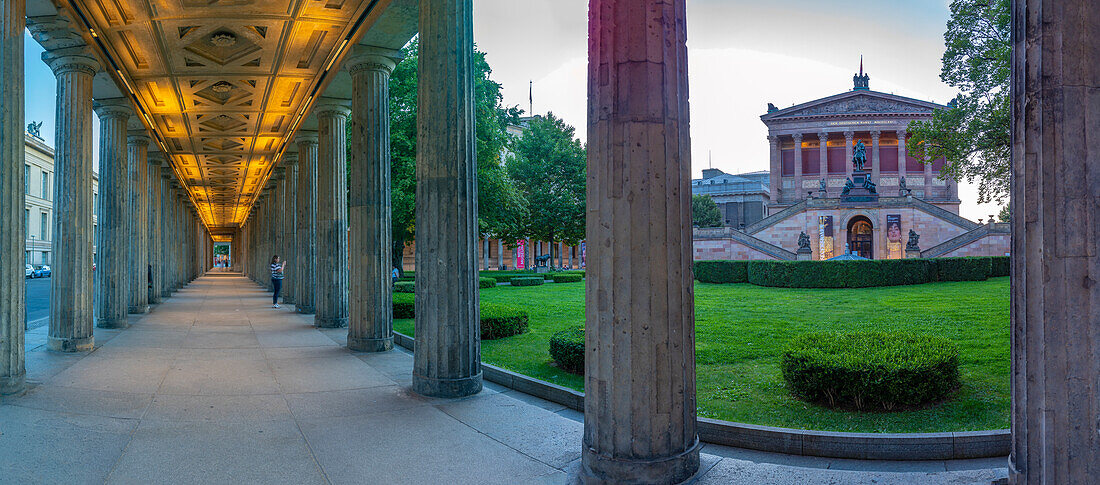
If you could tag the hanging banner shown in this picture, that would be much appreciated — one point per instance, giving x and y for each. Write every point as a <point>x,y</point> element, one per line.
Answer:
<point>582,254</point>
<point>521,254</point>
<point>893,236</point>
<point>825,241</point>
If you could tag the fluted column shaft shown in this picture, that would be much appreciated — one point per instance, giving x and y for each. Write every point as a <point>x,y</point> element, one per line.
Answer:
<point>901,154</point>
<point>13,368</point>
<point>799,192</point>
<point>447,360</point>
<point>776,165</point>
<point>137,155</point>
<point>849,151</point>
<point>639,422</point>
<point>332,214</point>
<point>876,165</point>
<point>278,214</point>
<point>823,156</point>
<point>71,310</point>
<point>112,273</point>
<point>152,184</point>
<point>1055,229</point>
<point>307,223</point>
<point>165,221</point>
<point>370,324</point>
<point>290,231</point>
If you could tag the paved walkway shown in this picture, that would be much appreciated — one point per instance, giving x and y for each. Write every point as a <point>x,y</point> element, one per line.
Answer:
<point>214,386</point>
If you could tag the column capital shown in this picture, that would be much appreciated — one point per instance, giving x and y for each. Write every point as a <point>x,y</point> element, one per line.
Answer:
<point>797,137</point>
<point>773,140</point>
<point>305,137</point>
<point>326,107</point>
<point>848,135</point>
<point>823,136</point>
<point>875,134</point>
<point>112,108</point>
<point>364,58</point>
<point>291,159</point>
<point>278,173</point>
<point>72,59</point>
<point>902,132</point>
<point>138,137</point>
<point>156,159</point>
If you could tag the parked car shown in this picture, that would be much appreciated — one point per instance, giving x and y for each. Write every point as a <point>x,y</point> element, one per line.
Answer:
<point>30,272</point>
<point>42,271</point>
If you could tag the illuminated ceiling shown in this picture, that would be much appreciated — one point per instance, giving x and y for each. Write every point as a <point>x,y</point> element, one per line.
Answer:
<point>224,83</point>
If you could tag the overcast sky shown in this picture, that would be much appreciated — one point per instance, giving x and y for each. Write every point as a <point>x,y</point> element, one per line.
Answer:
<point>743,55</point>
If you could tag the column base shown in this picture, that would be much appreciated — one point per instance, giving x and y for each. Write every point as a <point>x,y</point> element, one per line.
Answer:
<point>431,387</point>
<point>600,469</point>
<point>113,324</point>
<point>331,322</point>
<point>139,310</point>
<point>370,344</point>
<point>305,310</point>
<point>153,300</point>
<point>70,344</point>
<point>13,384</point>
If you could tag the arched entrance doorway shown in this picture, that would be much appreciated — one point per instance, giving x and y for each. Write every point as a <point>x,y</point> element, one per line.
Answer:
<point>861,240</point>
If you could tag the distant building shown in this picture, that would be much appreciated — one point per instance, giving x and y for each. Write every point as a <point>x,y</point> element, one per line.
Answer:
<point>38,182</point>
<point>812,188</point>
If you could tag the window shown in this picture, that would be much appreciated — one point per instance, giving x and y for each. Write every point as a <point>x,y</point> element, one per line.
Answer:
<point>44,229</point>
<point>45,185</point>
<point>26,178</point>
<point>45,257</point>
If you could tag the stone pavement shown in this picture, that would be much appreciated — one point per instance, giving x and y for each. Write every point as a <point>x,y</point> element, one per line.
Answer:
<point>214,386</point>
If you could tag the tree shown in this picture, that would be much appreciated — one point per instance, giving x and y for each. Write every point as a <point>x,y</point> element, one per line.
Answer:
<point>704,212</point>
<point>499,203</point>
<point>548,165</point>
<point>973,133</point>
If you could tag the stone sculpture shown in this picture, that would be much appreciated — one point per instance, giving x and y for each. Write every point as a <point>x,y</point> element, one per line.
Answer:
<point>914,241</point>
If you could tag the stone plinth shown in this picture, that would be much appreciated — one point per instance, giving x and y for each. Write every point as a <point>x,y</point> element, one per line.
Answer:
<point>12,201</point>
<point>639,419</point>
<point>447,361</point>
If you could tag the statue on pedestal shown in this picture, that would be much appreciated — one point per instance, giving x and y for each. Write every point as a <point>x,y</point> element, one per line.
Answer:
<point>803,242</point>
<point>860,158</point>
<point>914,240</point>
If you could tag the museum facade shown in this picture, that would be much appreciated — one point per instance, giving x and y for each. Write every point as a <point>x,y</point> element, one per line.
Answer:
<point>811,167</point>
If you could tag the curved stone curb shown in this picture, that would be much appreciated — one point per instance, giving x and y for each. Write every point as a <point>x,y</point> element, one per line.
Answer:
<point>832,444</point>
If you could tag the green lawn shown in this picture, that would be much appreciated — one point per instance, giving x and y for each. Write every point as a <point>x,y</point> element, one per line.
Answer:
<point>741,330</point>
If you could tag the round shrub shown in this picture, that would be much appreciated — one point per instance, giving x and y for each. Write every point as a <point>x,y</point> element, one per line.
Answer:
<point>486,283</point>
<point>567,349</point>
<point>404,287</point>
<point>403,304</point>
<point>871,370</point>
<point>565,278</point>
<point>528,281</point>
<point>499,321</point>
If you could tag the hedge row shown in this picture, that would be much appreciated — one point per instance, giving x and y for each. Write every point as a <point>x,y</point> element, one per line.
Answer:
<point>567,349</point>
<point>863,370</point>
<point>404,287</point>
<point>528,281</point>
<point>403,305</point>
<point>497,321</point>
<point>850,274</point>
<point>565,277</point>
<point>487,283</point>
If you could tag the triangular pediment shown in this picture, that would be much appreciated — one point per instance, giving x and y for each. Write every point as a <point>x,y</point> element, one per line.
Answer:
<point>856,103</point>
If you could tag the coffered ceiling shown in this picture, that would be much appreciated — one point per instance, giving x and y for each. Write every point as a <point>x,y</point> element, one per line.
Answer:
<point>225,83</point>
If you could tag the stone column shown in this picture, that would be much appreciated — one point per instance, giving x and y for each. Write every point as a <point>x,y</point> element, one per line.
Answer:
<point>447,360</point>
<point>901,154</point>
<point>113,239</point>
<point>137,146</point>
<point>277,218</point>
<point>165,231</point>
<point>307,221</point>
<point>639,417</point>
<point>71,282</point>
<point>823,156</point>
<point>927,178</point>
<point>799,191</point>
<point>500,253</point>
<point>152,230</point>
<point>849,150</point>
<point>876,168</point>
<point>290,228</point>
<point>332,213</point>
<point>13,369</point>
<point>1055,228</point>
<point>776,176</point>
<point>370,323</point>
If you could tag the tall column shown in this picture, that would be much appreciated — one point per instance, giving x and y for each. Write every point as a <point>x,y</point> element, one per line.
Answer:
<point>112,273</point>
<point>307,222</point>
<point>1055,226</point>
<point>849,150</point>
<point>153,225</point>
<point>927,178</point>
<point>71,282</point>
<point>823,155</point>
<point>639,416</point>
<point>278,217</point>
<point>13,368</point>
<point>447,360</point>
<point>370,322</point>
<point>290,225</point>
<point>137,146</point>
<point>875,161</point>
<point>901,155</point>
<point>799,192</point>
<point>165,231</point>
<point>500,253</point>
<point>776,176</point>
<point>332,213</point>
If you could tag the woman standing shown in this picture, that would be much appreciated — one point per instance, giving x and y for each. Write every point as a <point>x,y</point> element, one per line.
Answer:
<point>277,268</point>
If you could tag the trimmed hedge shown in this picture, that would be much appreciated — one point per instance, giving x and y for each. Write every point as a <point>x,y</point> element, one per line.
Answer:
<point>504,276</point>
<point>486,283</point>
<point>567,349</point>
<point>404,287</point>
<point>403,304</point>
<point>865,370</point>
<point>1000,266</point>
<point>838,274</point>
<point>499,321</point>
<point>722,271</point>
<point>565,277</point>
<point>960,269</point>
<point>528,281</point>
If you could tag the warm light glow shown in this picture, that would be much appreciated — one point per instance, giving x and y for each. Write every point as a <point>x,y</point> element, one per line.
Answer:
<point>336,55</point>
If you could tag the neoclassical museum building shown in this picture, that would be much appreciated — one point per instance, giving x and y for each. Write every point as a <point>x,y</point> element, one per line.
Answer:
<point>812,150</point>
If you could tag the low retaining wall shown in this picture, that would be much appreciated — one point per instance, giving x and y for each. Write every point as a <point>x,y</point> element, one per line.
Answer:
<point>833,444</point>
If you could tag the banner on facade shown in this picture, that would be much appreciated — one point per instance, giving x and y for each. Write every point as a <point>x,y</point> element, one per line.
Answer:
<point>521,254</point>
<point>582,254</point>
<point>893,236</point>
<point>825,240</point>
